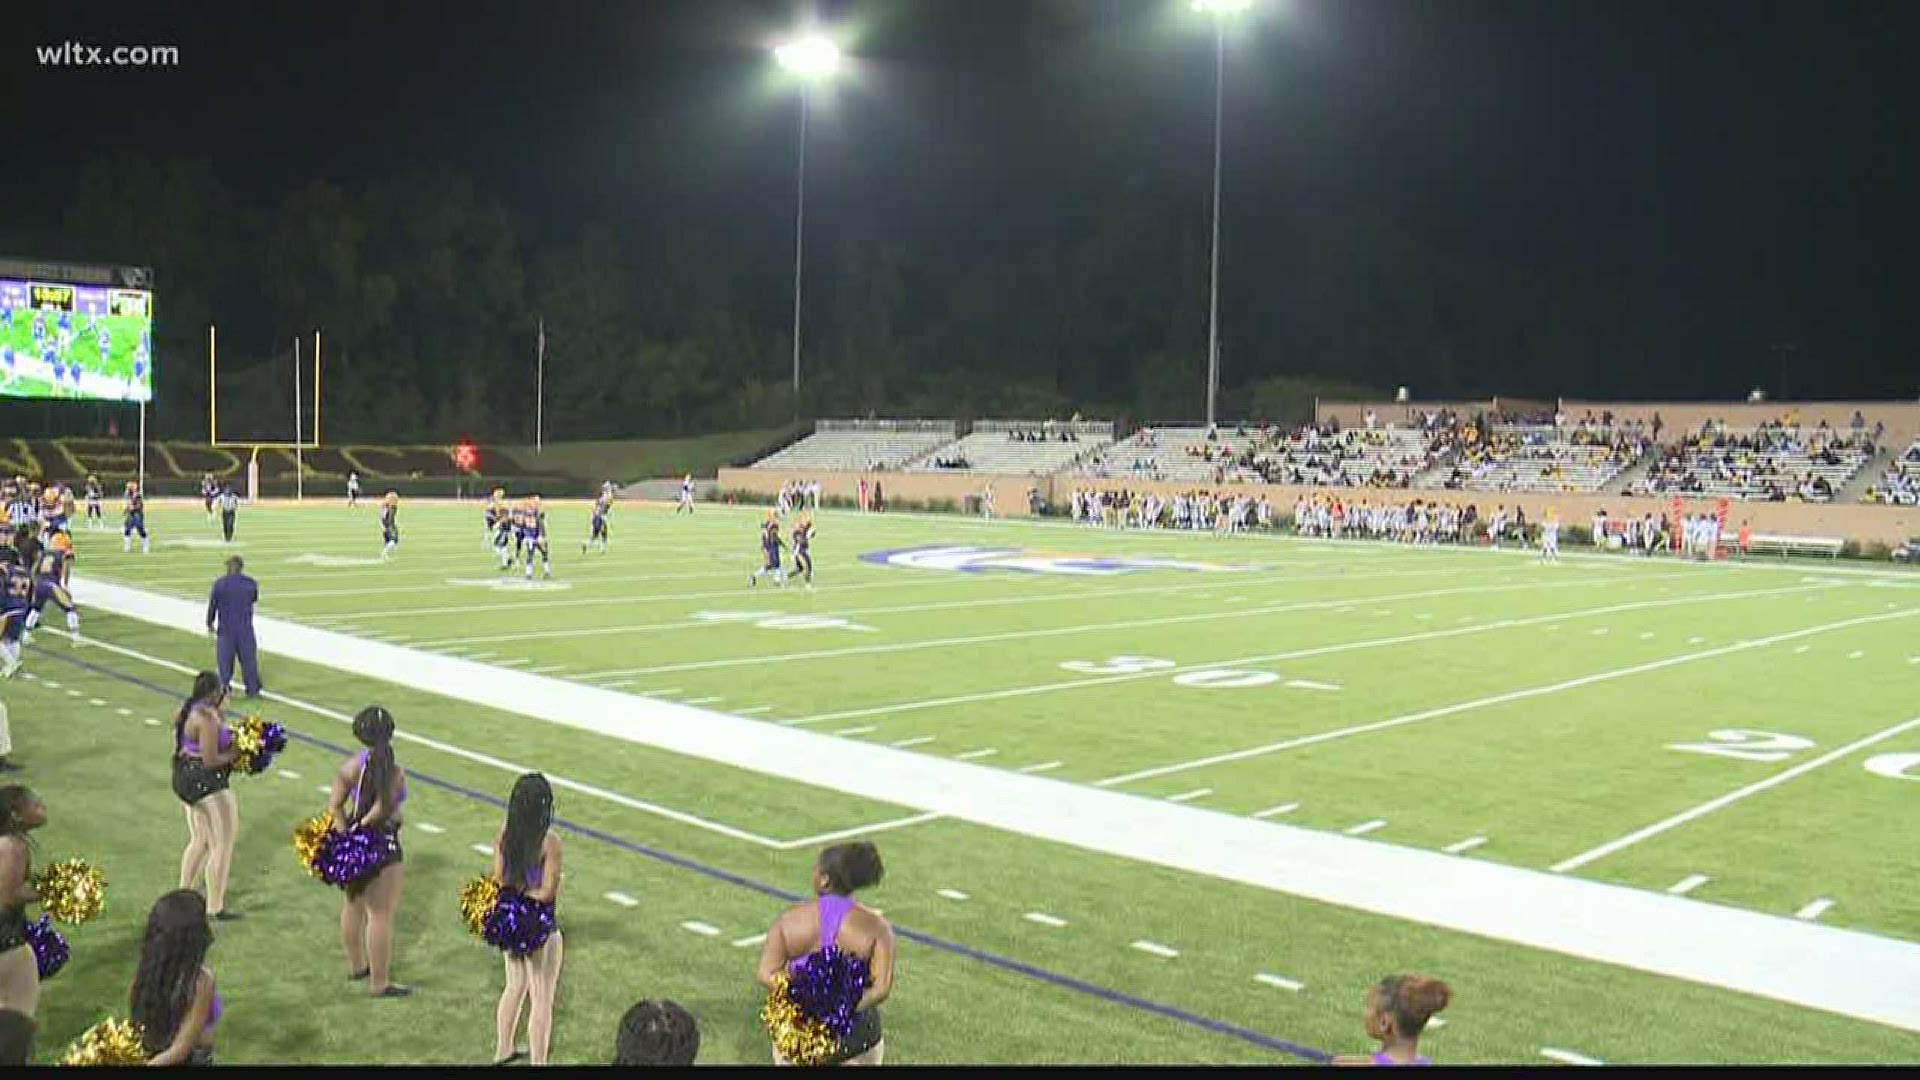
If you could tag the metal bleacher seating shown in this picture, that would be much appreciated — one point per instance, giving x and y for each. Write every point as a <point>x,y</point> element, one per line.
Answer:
<point>993,447</point>
<point>1763,463</point>
<point>848,445</point>
<point>1540,458</point>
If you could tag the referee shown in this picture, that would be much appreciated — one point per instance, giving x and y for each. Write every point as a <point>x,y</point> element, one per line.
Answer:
<point>229,506</point>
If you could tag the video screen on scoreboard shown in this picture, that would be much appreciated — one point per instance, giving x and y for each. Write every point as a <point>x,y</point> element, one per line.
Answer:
<point>79,342</point>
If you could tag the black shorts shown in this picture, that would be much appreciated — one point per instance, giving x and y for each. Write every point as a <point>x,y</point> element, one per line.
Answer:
<point>193,780</point>
<point>355,888</point>
<point>865,1036</point>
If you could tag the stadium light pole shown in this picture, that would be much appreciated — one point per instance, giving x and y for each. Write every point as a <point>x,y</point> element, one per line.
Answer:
<point>813,57</point>
<point>1221,11</point>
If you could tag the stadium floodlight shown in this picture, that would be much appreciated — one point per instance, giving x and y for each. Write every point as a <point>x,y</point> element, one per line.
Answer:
<point>1221,11</point>
<point>814,57</point>
<point>811,55</point>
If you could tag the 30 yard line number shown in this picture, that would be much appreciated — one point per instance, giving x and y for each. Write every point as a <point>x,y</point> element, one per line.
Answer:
<point>1746,745</point>
<point>1209,679</point>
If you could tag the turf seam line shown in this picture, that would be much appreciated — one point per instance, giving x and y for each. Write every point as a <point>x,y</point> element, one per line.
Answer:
<point>1005,963</point>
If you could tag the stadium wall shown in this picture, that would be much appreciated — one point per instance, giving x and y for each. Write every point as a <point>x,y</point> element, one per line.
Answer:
<point>1855,521</point>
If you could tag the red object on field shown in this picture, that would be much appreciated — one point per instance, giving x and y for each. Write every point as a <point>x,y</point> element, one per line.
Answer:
<point>466,456</point>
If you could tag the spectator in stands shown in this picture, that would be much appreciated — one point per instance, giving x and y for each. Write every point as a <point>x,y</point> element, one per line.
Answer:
<point>656,1033</point>
<point>1398,1008</point>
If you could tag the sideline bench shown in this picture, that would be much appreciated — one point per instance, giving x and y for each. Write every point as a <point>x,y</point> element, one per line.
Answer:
<point>1783,545</point>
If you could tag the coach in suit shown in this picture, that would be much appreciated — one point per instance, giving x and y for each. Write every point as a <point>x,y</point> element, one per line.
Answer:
<point>231,606</point>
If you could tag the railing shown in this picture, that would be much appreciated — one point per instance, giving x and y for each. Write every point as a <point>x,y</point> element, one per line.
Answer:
<point>846,427</point>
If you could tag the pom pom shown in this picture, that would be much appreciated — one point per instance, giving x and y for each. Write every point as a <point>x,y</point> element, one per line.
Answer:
<point>476,901</point>
<point>308,836</point>
<point>796,1036</point>
<point>342,858</point>
<point>828,986</point>
<point>70,890</point>
<point>50,950</point>
<point>256,740</point>
<point>517,925</point>
<point>110,1042</point>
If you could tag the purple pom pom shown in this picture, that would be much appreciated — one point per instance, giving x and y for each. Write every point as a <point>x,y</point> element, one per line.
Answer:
<point>273,739</point>
<point>828,985</point>
<point>516,924</point>
<point>345,858</point>
<point>49,947</point>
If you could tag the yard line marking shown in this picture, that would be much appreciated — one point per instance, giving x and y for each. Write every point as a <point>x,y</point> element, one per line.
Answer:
<point>73,693</point>
<point>1646,635</point>
<point>1687,884</point>
<point>97,702</point>
<point>429,828</point>
<point>1810,964</point>
<point>1802,649</point>
<point>700,701</point>
<point>1044,919</point>
<point>748,941</point>
<point>124,712</point>
<point>620,898</point>
<point>1732,797</point>
<point>1423,615</point>
<point>975,755</point>
<point>1044,766</point>
<point>1189,796</point>
<point>866,729</point>
<point>917,740</point>
<point>698,927</point>
<point>1366,827</point>
<point>546,669</point>
<point>324,790</point>
<point>1305,684</point>
<point>1156,949</point>
<point>1496,699</point>
<point>1568,1057</point>
<point>512,662</point>
<point>952,894</point>
<point>619,684</point>
<point>659,693</point>
<point>49,683</point>
<point>1435,1022</point>
<point>483,656</point>
<point>151,722</point>
<point>1696,640</point>
<point>755,711</point>
<point>1551,628</point>
<point>1274,811</point>
<point>483,849</point>
<point>1052,631</point>
<point>1814,910</point>
<point>857,830</point>
<point>1599,630</point>
<point>1856,654</point>
<point>1288,984</point>
<point>1463,846</point>
<point>289,774</point>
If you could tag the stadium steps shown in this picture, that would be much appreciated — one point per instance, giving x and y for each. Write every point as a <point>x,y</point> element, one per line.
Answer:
<point>1436,474</point>
<point>1870,472</point>
<point>913,463</point>
<point>1631,475</point>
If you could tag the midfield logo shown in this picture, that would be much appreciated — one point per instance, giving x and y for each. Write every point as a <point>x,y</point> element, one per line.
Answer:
<point>972,559</point>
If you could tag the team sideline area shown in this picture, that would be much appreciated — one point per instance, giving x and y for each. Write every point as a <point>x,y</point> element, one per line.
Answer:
<point>1143,796</point>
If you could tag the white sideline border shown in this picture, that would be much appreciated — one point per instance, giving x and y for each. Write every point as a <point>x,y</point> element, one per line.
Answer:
<point>1847,972</point>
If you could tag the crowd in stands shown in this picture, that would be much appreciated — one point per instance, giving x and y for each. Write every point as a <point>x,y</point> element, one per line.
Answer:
<point>954,461</point>
<point>1545,459</point>
<point>1900,484</point>
<point>1773,462</point>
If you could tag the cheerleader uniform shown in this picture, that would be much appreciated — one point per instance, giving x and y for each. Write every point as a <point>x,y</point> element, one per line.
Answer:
<point>389,824</point>
<point>202,1054</point>
<point>866,1033</point>
<point>193,779</point>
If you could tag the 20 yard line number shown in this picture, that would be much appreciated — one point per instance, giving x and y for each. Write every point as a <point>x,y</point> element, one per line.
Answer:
<point>1208,679</point>
<point>1769,746</point>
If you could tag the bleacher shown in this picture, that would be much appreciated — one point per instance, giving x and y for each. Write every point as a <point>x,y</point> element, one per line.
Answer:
<point>1542,458</point>
<point>1772,462</point>
<point>1900,484</point>
<point>848,445</point>
<point>1020,447</point>
<point>1239,453</point>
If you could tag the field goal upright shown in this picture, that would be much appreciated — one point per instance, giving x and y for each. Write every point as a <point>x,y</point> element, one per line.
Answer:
<point>299,444</point>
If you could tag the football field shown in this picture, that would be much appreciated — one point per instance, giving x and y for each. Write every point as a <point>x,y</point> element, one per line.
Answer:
<point>1143,797</point>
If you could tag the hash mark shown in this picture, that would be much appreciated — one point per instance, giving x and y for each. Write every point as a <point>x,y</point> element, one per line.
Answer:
<point>1286,984</point>
<point>1156,949</point>
<point>1366,827</point>
<point>698,927</point>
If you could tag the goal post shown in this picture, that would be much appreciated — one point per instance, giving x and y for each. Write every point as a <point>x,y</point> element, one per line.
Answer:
<point>299,444</point>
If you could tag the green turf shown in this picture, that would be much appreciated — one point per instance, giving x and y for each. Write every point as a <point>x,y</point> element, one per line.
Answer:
<point>1400,633</point>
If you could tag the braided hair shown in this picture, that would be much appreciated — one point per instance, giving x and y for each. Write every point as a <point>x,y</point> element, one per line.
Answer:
<point>529,815</point>
<point>170,957</point>
<point>373,726</point>
<point>656,1033</point>
<point>205,685</point>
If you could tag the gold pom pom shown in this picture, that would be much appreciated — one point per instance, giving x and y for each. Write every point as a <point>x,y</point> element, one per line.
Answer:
<point>70,891</point>
<point>796,1036</point>
<point>249,739</point>
<point>476,900</point>
<point>110,1042</point>
<point>308,836</point>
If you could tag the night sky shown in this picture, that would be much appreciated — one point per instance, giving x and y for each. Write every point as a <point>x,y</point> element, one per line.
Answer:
<point>1730,174</point>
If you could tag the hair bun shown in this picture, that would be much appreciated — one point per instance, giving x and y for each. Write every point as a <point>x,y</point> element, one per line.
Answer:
<point>1426,994</point>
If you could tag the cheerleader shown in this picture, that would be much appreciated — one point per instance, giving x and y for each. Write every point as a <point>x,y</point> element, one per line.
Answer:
<point>368,790</point>
<point>835,919</point>
<point>174,1000</point>
<point>21,811</point>
<point>526,857</point>
<point>1398,1008</point>
<point>202,761</point>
